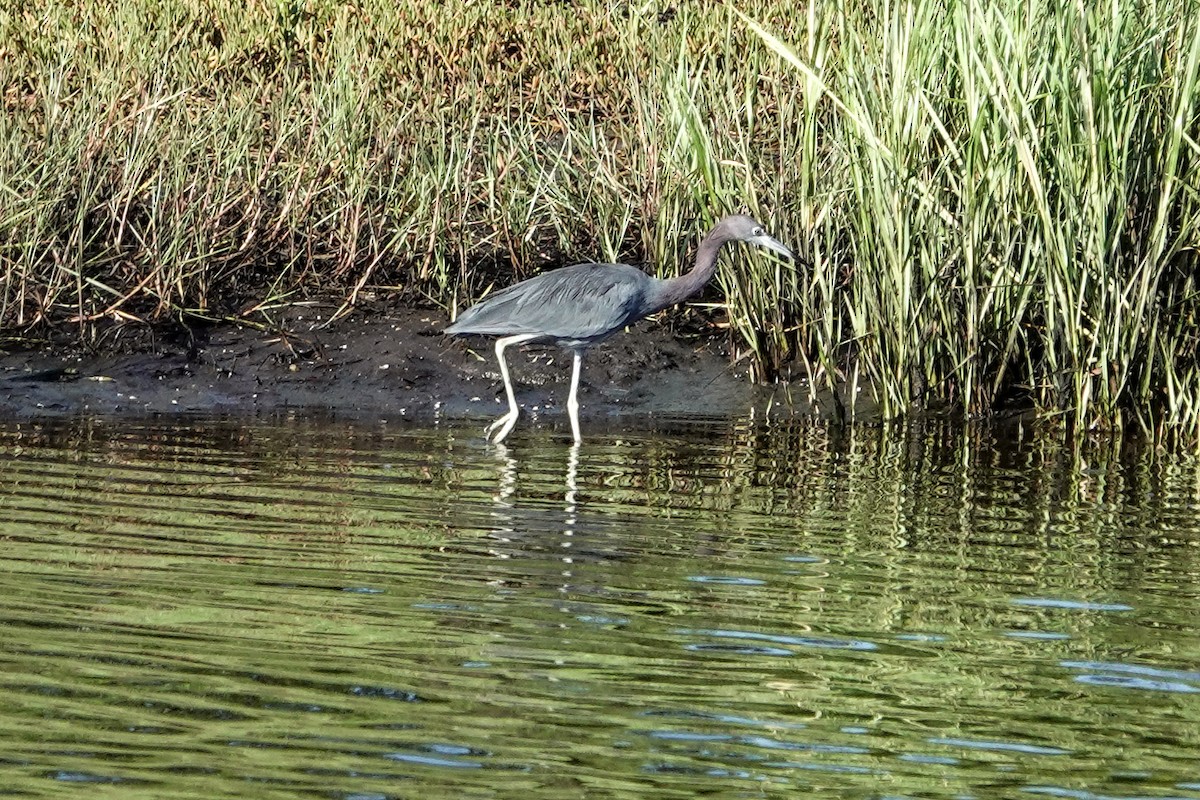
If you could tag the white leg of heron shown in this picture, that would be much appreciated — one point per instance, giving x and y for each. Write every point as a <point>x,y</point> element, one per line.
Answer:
<point>573,397</point>
<point>505,424</point>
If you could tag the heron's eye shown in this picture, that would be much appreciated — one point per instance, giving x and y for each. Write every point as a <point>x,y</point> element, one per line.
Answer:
<point>756,232</point>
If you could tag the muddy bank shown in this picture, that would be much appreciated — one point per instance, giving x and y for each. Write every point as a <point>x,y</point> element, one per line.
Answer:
<point>387,364</point>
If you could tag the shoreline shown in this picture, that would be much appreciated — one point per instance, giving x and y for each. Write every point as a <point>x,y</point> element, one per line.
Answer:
<point>393,363</point>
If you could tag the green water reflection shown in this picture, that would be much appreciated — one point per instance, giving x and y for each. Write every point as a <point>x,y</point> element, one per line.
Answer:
<point>315,608</point>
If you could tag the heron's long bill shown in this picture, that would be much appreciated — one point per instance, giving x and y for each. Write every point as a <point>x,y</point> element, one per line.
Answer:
<point>771,243</point>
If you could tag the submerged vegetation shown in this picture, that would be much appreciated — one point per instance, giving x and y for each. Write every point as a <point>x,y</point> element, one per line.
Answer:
<point>996,203</point>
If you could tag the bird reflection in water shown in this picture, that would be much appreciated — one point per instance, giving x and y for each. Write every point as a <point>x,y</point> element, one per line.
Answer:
<point>515,523</point>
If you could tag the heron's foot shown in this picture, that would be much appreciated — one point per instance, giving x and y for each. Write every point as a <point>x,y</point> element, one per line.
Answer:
<point>575,433</point>
<point>502,427</point>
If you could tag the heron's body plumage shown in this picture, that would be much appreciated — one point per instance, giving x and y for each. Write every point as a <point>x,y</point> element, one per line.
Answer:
<point>572,306</point>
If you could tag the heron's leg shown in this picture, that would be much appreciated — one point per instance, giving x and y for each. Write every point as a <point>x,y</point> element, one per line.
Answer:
<point>573,397</point>
<point>505,424</point>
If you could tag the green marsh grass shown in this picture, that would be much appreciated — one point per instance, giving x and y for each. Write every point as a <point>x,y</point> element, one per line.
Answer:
<point>1021,219</point>
<point>995,203</point>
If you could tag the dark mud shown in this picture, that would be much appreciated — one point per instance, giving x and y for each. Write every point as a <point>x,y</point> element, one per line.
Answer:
<point>389,365</point>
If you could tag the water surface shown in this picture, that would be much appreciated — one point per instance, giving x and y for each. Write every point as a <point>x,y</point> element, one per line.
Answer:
<point>302,607</point>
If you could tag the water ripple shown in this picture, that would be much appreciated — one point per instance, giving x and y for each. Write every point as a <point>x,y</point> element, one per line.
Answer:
<point>1130,682</point>
<point>728,580</point>
<point>808,747</point>
<point>799,641</point>
<point>1134,669</point>
<point>1081,794</point>
<point>1074,605</point>
<point>1013,747</point>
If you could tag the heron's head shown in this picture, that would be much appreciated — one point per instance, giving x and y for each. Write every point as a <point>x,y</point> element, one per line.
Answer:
<point>742,228</point>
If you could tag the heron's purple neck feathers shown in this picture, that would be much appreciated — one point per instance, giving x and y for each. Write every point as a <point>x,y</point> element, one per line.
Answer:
<point>678,289</point>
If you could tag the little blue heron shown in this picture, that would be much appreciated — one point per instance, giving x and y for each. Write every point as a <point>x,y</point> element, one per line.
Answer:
<point>575,307</point>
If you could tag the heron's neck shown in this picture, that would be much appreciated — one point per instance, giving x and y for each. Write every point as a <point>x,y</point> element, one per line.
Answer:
<point>676,290</point>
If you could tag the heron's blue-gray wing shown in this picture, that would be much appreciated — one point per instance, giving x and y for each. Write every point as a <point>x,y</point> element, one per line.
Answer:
<point>585,301</point>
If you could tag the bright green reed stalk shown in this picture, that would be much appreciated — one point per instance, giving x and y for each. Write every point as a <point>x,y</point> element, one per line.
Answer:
<point>995,203</point>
